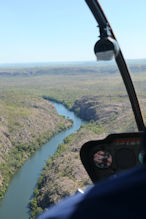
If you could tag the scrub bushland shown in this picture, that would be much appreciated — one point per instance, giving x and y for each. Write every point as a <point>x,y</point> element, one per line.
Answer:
<point>26,122</point>
<point>96,93</point>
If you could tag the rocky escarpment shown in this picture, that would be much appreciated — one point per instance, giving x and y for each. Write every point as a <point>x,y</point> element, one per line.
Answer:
<point>93,108</point>
<point>25,124</point>
<point>112,112</point>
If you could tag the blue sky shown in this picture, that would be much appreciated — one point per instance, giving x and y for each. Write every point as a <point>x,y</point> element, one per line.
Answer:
<point>65,30</point>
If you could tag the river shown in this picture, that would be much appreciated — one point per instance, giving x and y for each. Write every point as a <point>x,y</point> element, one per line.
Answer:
<point>20,190</point>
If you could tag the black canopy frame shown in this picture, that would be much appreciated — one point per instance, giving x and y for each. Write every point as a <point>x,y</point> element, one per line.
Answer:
<point>103,24</point>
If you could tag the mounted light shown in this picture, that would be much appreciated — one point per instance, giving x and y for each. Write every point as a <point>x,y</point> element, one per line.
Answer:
<point>106,49</point>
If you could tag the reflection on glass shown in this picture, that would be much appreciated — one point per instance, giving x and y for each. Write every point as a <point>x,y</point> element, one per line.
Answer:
<point>102,159</point>
<point>140,157</point>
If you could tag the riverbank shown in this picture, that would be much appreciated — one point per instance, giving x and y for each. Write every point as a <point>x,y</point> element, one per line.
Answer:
<point>23,183</point>
<point>26,123</point>
<point>69,86</point>
<point>63,173</point>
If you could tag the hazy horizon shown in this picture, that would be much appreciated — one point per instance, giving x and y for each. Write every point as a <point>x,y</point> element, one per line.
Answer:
<point>63,63</point>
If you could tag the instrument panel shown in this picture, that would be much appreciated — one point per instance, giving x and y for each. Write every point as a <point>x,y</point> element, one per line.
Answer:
<point>109,156</point>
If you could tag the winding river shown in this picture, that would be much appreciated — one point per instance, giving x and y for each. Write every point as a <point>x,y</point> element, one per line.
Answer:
<point>20,190</point>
